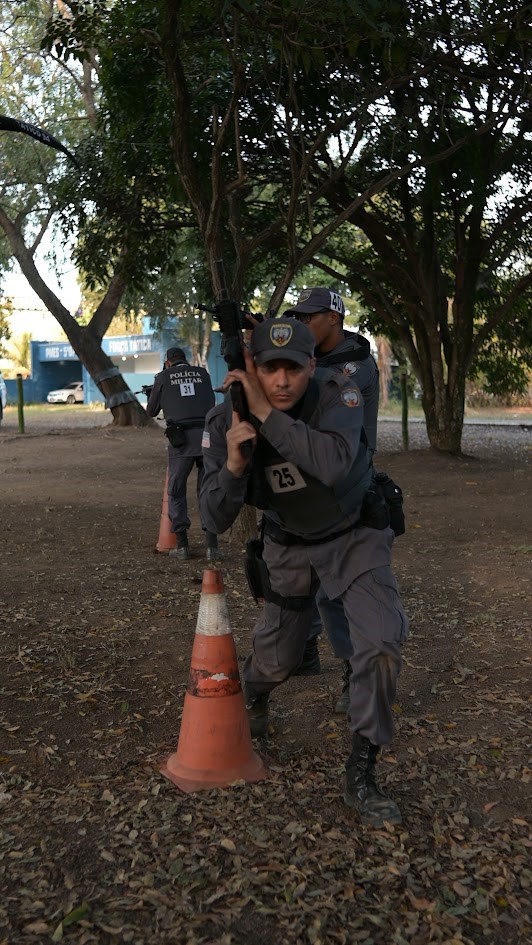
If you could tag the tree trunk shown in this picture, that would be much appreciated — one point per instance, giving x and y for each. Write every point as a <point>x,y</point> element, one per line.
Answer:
<point>85,340</point>
<point>206,341</point>
<point>404,408</point>
<point>245,526</point>
<point>125,408</point>
<point>384,354</point>
<point>444,416</point>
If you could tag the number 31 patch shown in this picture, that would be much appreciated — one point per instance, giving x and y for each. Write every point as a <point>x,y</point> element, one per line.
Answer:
<point>284,477</point>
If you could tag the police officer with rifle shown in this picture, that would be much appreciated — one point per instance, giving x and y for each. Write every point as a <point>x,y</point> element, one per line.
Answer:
<point>307,466</point>
<point>184,394</point>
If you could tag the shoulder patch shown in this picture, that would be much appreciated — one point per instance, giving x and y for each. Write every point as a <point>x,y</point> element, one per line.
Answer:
<point>350,368</point>
<point>206,440</point>
<point>350,397</point>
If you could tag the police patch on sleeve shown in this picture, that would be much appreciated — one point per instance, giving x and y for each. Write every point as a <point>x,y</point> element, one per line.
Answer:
<point>205,440</point>
<point>350,368</point>
<point>350,397</point>
<point>280,335</point>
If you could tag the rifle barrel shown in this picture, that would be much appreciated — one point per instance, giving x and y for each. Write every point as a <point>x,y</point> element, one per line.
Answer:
<point>205,308</point>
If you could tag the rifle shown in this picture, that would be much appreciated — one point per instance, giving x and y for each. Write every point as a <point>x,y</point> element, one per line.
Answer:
<point>232,321</point>
<point>146,389</point>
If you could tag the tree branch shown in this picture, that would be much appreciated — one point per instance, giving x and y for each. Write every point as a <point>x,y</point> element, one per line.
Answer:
<point>42,230</point>
<point>491,323</point>
<point>25,260</point>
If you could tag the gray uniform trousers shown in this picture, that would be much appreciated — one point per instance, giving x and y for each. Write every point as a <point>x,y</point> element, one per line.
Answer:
<point>377,626</point>
<point>179,469</point>
<point>329,615</point>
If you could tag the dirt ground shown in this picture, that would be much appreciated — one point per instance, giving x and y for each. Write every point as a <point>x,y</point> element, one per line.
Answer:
<point>96,631</point>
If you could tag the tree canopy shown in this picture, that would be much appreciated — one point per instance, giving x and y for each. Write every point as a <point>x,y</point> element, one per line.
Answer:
<point>386,142</point>
<point>444,262</point>
<point>61,98</point>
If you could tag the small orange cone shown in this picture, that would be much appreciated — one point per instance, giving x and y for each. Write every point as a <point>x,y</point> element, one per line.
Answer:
<point>167,540</point>
<point>214,747</point>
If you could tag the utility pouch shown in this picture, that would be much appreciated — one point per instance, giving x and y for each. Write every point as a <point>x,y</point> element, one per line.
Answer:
<point>259,580</point>
<point>176,435</point>
<point>374,512</point>
<point>252,567</point>
<point>393,496</point>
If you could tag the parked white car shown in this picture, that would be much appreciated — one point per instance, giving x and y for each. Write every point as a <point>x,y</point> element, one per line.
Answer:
<point>3,396</point>
<point>71,394</point>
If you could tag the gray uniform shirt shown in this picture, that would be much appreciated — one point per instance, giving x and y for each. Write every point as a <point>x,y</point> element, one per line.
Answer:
<point>365,375</point>
<point>327,453</point>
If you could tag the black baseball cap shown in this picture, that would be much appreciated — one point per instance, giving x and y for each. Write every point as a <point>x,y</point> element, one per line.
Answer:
<point>283,338</point>
<point>312,301</point>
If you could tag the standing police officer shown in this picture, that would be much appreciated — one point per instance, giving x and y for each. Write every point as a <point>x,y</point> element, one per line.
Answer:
<point>184,393</point>
<point>323,311</point>
<point>310,471</point>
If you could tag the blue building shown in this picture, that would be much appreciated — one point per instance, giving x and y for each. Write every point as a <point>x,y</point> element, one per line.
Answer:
<point>139,358</point>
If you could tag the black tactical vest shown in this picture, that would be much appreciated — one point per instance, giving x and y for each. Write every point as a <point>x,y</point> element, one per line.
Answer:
<point>186,393</point>
<point>303,504</point>
<point>360,353</point>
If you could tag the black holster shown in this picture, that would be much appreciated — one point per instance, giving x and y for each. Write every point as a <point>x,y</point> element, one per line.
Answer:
<point>393,496</point>
<point>175,433</point>
<point>383,505</point>
<point>259,580</point>
<point>253,567</point>
<point>374,512</point>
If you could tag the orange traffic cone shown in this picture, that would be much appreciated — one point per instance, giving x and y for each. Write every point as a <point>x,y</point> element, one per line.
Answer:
<point>167,540</point>
<point>214,747</point>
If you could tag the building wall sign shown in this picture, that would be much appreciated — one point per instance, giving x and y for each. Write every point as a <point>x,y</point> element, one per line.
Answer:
<point>57,352</point>
<point>131,344</point>
<point>113,346</point>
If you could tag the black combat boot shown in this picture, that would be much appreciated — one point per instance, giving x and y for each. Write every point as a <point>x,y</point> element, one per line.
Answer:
<point>257,710</point>
<point>362,790</point>
<point>342,705</point>
<point>182,550</point>
<point>212,551</point>
<point>310,664</point>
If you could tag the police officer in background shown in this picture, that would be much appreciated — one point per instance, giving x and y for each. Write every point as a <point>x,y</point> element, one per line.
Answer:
<point>310,472</point>
<point>345,351</point>
<point>184,394</point>
<point>323,310</point>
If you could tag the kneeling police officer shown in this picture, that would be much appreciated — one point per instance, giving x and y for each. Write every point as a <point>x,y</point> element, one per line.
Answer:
<point>310,471</point>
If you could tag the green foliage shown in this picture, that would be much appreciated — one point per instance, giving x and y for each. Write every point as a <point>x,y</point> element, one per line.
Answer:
<point>117,219</point>
<point>72,32</point>
<point>253,128</point>
<point>291,70</point>
<point>6,310</point>
<point>504,365</point>
<point>36,89</point>
<point>441,258</point>
<point>19,352</point>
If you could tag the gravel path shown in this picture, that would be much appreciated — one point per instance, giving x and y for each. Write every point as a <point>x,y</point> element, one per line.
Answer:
<point>480,437</point>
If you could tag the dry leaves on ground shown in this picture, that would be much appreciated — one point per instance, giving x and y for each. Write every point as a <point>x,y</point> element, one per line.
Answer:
<point>96,631</point>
